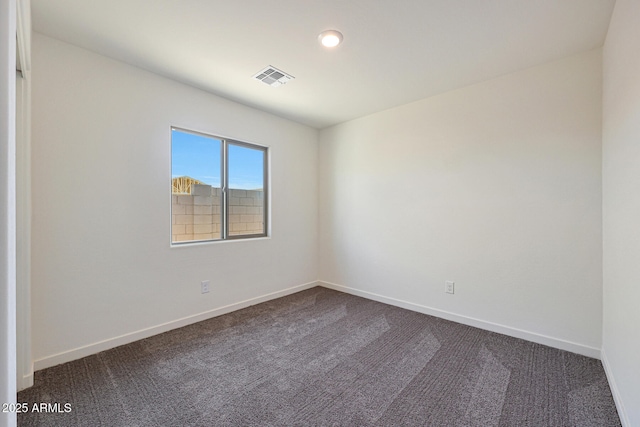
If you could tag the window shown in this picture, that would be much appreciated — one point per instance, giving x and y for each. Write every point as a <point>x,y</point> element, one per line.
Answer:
<point>218,188</point>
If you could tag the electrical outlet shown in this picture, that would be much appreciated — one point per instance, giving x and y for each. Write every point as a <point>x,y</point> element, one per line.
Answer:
<point>448,286</point>
<point>204,286</point>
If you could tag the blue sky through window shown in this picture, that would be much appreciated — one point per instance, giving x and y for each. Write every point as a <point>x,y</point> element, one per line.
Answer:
<point>198,157</point>
<point>246,168</point>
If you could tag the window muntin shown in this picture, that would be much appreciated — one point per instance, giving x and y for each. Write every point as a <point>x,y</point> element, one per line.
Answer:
<point>219,188</point>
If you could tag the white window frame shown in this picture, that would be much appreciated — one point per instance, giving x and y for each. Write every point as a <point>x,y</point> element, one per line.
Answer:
<point>224,156</point>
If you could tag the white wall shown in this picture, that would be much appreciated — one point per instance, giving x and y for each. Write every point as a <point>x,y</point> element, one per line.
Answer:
<point>102,264</point>
<point>495,186</point>
<point>621,208</point>
<point>7,209</point>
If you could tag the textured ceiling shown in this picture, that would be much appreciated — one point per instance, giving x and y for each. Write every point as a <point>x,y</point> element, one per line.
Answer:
<point>393,52</point>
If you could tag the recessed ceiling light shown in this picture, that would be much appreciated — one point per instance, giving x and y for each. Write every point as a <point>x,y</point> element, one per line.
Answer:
<point>330,38</point>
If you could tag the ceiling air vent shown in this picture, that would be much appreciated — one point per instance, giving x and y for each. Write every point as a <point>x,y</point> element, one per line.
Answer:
<point>273,77</point>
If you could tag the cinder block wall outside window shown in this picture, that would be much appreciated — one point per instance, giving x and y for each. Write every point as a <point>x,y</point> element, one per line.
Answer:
<point>196,216</point>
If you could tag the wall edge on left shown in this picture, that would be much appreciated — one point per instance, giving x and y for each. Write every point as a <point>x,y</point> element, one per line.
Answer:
<point>8,209</point>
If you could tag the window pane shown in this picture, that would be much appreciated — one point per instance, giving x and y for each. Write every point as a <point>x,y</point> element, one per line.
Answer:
<point>246,190</point>
<point>196,212</point>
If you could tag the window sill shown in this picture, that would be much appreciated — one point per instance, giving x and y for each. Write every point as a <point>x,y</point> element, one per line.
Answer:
<point>215,242</point>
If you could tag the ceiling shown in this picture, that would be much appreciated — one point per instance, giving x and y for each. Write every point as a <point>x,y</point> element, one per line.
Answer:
<point>393,52</point>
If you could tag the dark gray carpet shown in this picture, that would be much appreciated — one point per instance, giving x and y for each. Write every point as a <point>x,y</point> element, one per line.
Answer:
<point>324,358</point>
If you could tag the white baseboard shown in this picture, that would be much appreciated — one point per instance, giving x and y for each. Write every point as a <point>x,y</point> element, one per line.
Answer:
<point>470,321</point>
<point>622,413</point>
<point>25,382</point>
<point>87,350</point>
